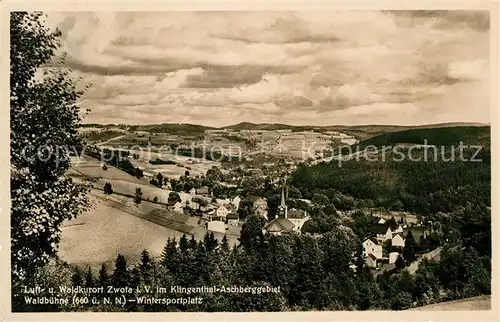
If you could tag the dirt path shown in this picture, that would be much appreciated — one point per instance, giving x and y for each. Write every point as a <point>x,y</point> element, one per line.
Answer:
<point>430,255</point>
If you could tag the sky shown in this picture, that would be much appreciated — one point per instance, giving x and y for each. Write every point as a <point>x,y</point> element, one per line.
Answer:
<point>301,68</point>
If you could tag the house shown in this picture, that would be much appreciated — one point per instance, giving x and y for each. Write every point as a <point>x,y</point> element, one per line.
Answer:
<point>381,221</point>
<point>230,207</point>
<point>298,218</point>
<point>261,212</point>
<point>393,257</point>
<point>398,240</point>
<point>258,202</point>
<point>207,215</point>
<point>232,219</point>
<point>192,192</point>
<point>222,211</point>
<point>178,207</point>
<point>202,192</point>
<point>216,225</point>
<point>278,226</point>
<point>382,232</point>
<point>371,261</point>
<point>373,247</point>
<point>399,229</point>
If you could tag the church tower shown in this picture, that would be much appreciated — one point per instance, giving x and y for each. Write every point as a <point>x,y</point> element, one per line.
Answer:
<point>283,209</point>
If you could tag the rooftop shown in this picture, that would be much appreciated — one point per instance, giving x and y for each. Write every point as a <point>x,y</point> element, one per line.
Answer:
<point>279,224</point>
<point>379,228</point>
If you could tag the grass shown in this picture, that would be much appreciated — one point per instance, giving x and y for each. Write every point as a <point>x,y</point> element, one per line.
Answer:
<point>100,234</point>
<point>91,168</point>
<point>108,229</point>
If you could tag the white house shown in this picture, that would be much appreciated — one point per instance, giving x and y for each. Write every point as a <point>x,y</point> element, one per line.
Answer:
<point>216,225</point>
<point>382,232</point>
<point>178,207</point>
<point>371,261</point>
<point>232,219</point>
<point>393,257</point>
<point>372,246</point>
<point>398,240</point>
<point>192,192</point>
<point>222,211</point>
<point>381,221</point>
<point>398,230</point>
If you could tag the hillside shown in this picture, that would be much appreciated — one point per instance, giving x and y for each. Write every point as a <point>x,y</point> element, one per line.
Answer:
<point>418,184</point>
<point>361,132</point>
<point>172,128</point>
<point>444,136</point>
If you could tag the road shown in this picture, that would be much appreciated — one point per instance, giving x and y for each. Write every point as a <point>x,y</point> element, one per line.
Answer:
<point>430,255</point>
<point>112,139</point>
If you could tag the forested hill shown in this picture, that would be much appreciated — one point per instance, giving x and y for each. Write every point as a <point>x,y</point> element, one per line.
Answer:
<point>444,136</point>
<point>438,182</point>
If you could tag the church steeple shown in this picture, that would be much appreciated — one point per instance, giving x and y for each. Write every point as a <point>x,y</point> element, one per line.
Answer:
<point>283,208</point>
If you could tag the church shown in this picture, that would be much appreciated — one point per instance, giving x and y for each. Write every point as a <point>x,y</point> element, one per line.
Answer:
<point>287,220</point>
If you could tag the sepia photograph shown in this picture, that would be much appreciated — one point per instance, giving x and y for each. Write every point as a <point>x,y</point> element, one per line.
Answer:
<point>250,161</point>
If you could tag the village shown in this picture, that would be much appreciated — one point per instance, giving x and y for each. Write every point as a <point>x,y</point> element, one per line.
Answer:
<point>381,250</point>
<point>194,195</point>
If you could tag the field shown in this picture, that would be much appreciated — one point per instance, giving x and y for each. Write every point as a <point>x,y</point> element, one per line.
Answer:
<point>91,168</point>
<point>115,225</point>
<point>174,171</point>
<point>103,232</point>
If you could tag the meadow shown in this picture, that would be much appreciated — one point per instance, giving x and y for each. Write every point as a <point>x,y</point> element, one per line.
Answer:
<point>100,234</point>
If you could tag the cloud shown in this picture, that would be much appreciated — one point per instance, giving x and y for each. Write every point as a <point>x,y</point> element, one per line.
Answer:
<point>469,69</point>
<point>300,67</point>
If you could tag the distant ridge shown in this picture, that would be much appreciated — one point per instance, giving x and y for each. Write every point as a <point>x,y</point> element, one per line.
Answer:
<point>361,132</point>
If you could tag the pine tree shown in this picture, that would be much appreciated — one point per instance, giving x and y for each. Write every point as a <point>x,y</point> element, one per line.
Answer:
<point>145,267</point>
<point>203,265</point>
<point>410,248</point>
<point>76,278</point>
<point>170,256</point>
<point>121,275</point>
<point>183,244</point>
<point>103,278</point>
<point>400,262</point>
<point>224,246</point>
<point>210,242</point>
<point>193,243</point>
<point>89,278</point>
<point>135,277</point>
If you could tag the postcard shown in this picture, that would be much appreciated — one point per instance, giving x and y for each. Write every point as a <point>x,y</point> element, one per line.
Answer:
<point>208,160</point>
